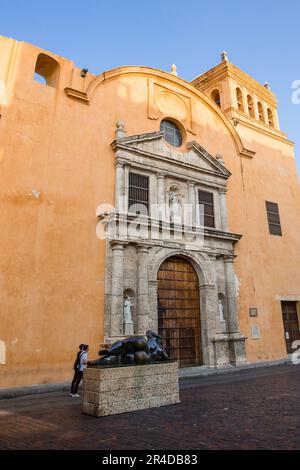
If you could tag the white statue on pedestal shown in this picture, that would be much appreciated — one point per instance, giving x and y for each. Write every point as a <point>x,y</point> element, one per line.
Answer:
<point>221,311</point>
<point>127,316</point>
<point>175,208</point>
<point>127,310</point>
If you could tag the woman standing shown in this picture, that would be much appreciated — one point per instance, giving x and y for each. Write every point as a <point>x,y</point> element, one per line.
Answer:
<point>79,365</point>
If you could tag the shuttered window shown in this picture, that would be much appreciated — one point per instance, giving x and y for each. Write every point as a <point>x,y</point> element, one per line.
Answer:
<point>138,200</point>
<point>206,201</point>
<point>273,218</point>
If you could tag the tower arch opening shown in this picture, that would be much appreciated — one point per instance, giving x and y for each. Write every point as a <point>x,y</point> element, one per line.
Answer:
<point>270,118</point>
<point>250,106</point>
<point>239,99</point>
<point>215,95</point>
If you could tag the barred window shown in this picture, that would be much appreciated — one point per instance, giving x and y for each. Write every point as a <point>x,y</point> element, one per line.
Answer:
<point>273,218</point>
<point>206,201</point>
<point>138,200</point>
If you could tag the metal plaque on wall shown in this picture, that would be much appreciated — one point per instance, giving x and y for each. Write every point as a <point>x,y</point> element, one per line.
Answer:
<point>253,312</point>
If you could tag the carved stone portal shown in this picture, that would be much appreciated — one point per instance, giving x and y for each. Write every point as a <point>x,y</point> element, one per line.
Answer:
<point>133,258</point>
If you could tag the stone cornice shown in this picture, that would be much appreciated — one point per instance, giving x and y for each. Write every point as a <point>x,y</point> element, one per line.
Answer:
<point>166,159</point>
<point>144,220</point>
<point>213,161</point>
<point>125,145</point>
<point>215,233</point>
<point>132,139</point>
<point>77,95</point>
<point>242,119</point>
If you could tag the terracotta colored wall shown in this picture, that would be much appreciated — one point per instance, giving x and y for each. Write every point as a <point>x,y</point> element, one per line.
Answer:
<point>268,265</point>
<point>51,263</point>
<point>57,166</point>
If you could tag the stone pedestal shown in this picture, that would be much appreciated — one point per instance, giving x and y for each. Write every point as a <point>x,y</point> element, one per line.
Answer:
<point>129,328</point>
<point>142,313</point>
<point>222,356</point>
<point>108,391</point>
<point>237,348</point>
<point>229,349</point>
<point>232,317</point>
<point>116,315</point>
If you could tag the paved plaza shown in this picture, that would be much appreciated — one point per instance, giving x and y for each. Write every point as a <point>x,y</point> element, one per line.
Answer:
<point>252,409</point>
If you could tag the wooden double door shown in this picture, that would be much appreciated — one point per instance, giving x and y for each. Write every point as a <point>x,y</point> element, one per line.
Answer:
<point>291,324</point>
<point>179,311</point>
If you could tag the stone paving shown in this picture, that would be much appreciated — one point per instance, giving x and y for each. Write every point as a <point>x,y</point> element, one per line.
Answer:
<point>254,409</point>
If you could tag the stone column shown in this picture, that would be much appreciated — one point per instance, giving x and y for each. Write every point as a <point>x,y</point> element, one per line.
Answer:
<point>245,102</point>
<point>208,308</point>
<point>275,119</point>
<point>265,114</point>
<point>161,196</point>
<point>116,311</point>
<point>119,186</point>
<point>153,307</point>
<point>255,109</point>
<point>192,202</point>
<point>223,209</point>
<point>236,341</point>
<point>142,312</point>
<point>232,317</point>
<point>197,208</point>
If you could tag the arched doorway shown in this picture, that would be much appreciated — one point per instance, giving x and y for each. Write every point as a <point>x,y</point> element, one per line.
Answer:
<point>179,311</point>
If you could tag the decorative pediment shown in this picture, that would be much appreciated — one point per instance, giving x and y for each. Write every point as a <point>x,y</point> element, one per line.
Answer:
<point>153,146</point>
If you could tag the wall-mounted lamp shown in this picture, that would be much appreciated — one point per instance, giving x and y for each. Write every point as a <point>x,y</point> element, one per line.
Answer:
<point>84,72</point>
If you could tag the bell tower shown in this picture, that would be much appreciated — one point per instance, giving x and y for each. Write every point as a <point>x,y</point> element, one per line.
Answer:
<point>240,97</point>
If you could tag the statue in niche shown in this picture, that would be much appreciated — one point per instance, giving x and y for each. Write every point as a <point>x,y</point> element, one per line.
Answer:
<point>175,207</point>
<point>127,309</point>
<point>221,311</point>
<point>127,316</point>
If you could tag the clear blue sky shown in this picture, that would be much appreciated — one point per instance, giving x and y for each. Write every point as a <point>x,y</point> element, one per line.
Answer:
<point>261,37</point>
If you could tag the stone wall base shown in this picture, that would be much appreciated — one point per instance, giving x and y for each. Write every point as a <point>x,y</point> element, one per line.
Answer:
<point>229,349</point>
<point>108,391</point>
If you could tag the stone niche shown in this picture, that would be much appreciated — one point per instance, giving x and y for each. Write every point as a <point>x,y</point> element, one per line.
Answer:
<point>114,390</point>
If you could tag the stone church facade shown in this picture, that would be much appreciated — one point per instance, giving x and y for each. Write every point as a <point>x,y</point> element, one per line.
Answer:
<point>134,259</point>
<point>136,186</point>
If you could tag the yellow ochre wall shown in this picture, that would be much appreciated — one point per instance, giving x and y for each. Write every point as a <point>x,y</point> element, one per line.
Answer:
<point>57,166</point>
